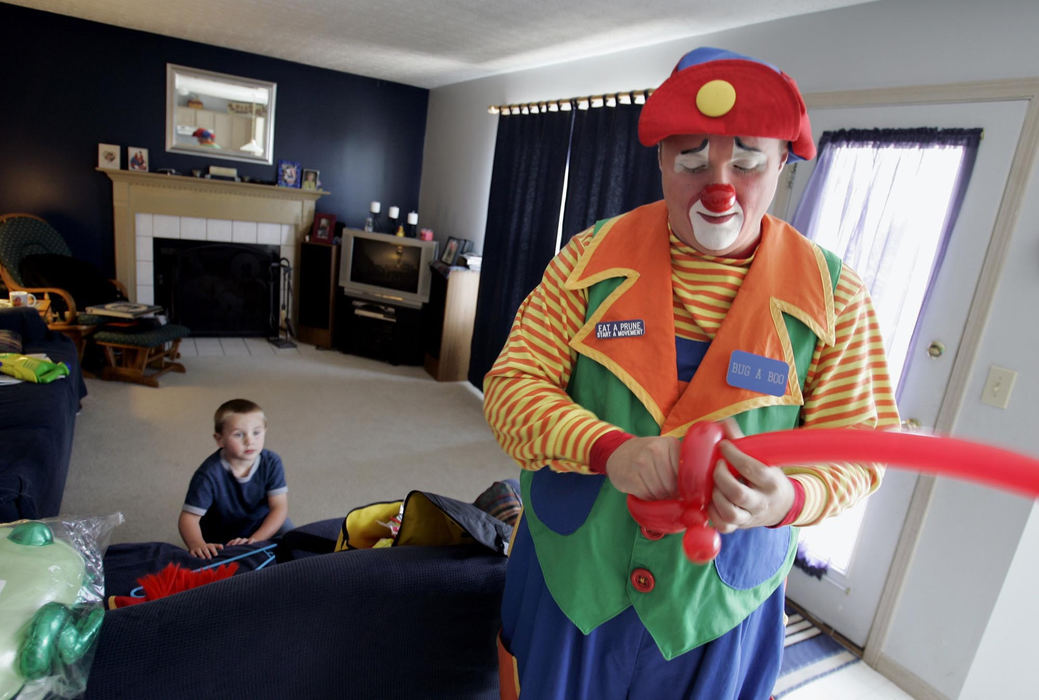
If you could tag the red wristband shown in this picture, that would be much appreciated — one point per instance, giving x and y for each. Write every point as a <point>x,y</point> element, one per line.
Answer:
<point>605,446</point>
<point>797,506</point>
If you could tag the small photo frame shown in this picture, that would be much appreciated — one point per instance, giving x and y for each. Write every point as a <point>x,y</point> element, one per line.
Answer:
<point>137,158</point>
<point>289,174</point>
<point>311,179</point>
<point>324,228</point>
<point>454,248</point>
<point>108,156</point>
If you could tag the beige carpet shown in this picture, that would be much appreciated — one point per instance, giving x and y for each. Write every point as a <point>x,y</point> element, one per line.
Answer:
<point>350,431</point>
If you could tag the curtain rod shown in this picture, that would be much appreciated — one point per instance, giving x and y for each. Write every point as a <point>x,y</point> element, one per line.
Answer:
<point>589,102</point>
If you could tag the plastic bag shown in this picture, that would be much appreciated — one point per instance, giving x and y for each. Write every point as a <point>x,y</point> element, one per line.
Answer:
<point>51,604</point>
<point>32,369</point>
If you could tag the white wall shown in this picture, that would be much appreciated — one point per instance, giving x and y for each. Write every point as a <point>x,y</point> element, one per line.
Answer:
<point>1009,641</point>
<point>882,44</point>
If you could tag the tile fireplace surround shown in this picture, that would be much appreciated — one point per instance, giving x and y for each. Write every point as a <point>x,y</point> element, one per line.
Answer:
<point>151,205</point>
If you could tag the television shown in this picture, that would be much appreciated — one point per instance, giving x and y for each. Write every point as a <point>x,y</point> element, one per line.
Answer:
<point>385,268</point>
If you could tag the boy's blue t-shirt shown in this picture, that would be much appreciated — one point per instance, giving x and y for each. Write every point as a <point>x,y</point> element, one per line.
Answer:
<point>230,508</point>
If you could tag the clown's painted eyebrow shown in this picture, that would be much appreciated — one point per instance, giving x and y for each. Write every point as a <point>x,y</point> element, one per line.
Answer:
<point>692,159</point>
<point>745,147</point>
<point>697,149</point>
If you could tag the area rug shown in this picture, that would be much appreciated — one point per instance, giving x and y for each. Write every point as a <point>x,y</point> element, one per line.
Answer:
<point>808,655</point>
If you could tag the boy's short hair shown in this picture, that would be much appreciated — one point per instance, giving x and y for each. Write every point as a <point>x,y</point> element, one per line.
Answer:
<point>233,406</point>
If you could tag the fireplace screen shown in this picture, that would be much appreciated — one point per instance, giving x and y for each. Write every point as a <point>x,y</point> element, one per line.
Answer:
<point>218,289</point>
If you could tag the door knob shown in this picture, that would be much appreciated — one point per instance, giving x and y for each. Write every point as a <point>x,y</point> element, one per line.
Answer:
<point>936,348</point>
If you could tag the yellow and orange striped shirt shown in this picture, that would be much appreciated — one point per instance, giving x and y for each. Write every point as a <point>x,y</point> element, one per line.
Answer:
<point>538,424</point>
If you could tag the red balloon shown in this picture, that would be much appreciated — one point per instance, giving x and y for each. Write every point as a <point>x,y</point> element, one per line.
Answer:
<point>944,456</point>
<point>701,544</point>
<point>695,475</point>
<point>663,516</point>
<point>695,486</point>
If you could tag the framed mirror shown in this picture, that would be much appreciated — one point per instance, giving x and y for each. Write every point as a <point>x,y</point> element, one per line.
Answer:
<point>218,115</point>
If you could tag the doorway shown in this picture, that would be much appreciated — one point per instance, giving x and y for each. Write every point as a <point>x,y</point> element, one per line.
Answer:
<point>932,386</point>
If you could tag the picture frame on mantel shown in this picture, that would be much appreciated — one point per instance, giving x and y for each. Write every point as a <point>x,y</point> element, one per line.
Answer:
<point>137,158</point>
<point>324,228</point>
<point>108,156</point>
<point>289,174</point>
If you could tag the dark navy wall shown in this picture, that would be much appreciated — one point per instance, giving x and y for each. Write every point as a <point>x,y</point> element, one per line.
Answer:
<point>67,85</point>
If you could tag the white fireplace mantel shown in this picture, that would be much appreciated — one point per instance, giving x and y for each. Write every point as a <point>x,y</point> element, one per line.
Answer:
<point>136,193</point>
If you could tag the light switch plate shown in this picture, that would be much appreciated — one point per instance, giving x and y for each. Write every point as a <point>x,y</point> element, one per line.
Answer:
<point>998,385</point>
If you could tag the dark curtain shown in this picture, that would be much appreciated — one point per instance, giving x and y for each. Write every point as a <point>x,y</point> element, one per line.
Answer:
<point>522,222</point>
<point>610,171</point>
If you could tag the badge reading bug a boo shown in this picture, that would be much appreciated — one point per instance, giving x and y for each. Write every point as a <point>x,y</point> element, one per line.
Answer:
<point>620,329</point>
<point>757,373</point>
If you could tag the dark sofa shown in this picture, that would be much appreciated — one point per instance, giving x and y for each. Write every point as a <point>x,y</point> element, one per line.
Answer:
<point>37,422</point>
<point>416,620</point>
<point>397,623</point>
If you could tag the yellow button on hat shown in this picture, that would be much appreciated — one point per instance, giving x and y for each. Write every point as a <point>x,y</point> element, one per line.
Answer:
<point>715,98</point>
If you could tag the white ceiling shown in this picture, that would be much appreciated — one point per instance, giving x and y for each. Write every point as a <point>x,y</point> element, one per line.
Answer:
<point>430,43</point>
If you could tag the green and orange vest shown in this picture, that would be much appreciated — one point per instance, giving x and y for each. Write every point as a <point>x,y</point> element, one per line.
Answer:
<point>783,309</point>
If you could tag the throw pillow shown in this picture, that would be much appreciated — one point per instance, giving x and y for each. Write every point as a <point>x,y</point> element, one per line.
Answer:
<point>79,278</point>
<point>10,341</point>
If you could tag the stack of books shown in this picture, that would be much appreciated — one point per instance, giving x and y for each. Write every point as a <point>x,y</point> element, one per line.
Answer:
<point>123,309</point>
<point>471,260</point>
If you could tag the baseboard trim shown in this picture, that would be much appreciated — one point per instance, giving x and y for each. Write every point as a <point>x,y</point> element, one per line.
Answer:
<point>905,679</point>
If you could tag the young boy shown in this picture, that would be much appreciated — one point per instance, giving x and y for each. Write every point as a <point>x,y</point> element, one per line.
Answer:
<point>238,495</point>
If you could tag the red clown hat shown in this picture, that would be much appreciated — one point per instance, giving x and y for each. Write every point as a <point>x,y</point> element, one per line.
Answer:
<point>713,91</point>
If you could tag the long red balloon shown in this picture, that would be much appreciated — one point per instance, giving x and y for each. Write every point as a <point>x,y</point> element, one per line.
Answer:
<point>945,456</point>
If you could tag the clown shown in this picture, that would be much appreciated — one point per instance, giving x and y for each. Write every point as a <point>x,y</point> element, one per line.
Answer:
<point>205,137</point>
<point>699,307</point>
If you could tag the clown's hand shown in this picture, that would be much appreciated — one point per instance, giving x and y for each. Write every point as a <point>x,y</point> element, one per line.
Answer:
<point>760,496</point>
<point>645,467</point>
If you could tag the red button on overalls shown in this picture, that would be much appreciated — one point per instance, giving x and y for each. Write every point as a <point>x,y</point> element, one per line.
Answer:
<point>642,580</point>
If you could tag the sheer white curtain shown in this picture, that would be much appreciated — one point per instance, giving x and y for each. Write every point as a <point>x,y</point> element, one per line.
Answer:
<point>885,202</point>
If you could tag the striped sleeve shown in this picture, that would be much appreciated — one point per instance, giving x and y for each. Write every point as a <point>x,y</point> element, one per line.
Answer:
<point>525,402</point>
<point>847,386</point>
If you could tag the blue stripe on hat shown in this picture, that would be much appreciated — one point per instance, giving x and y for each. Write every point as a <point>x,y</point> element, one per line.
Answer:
<point>706,54</point>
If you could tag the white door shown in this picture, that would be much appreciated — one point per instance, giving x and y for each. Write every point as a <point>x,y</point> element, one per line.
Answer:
<point>848,601</point>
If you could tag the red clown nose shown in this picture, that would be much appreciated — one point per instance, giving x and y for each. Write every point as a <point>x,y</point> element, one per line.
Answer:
<point>718,198</point>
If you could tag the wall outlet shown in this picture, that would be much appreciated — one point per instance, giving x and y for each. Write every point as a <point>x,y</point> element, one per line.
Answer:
<point>998,386</point>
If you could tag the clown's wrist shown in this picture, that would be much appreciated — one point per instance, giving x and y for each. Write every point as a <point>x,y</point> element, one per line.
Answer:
<point>604,447</point>
<point>796,507</point>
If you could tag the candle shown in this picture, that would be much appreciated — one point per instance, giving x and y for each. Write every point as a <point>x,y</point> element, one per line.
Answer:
<point>413,217</point>
<point>394,212</point>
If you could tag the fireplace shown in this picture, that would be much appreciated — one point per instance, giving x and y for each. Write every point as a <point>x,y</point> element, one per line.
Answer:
<point>147,206</point>
<point>218,289</point>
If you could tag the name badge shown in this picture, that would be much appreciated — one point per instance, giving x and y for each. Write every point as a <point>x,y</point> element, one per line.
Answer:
<point>757,373</point>
<point>620,329</point>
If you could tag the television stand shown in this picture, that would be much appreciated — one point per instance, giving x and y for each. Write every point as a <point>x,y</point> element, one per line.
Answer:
<point>385,332</point>
<point>370,309</point>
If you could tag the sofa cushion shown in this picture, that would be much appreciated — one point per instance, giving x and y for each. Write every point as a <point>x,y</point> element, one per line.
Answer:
<point>79,278</point>
<point>16,501</point>
<point>401,622</point>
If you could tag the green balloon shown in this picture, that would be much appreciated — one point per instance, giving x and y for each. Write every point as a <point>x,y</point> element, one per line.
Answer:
<point>36,571</point>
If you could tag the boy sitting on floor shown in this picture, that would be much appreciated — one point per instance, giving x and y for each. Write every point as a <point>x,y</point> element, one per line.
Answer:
<point>238,495</point>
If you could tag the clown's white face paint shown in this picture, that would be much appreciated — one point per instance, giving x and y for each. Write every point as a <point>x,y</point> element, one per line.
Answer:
<point>748,167</point>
